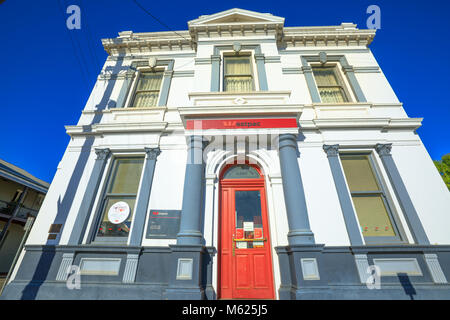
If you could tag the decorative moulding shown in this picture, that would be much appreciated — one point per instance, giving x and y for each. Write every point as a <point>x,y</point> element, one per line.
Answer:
<point>233,98</point>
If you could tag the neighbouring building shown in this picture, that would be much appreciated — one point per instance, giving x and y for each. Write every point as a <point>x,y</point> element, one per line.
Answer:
<point>21,196</point>
<point>241,159</point>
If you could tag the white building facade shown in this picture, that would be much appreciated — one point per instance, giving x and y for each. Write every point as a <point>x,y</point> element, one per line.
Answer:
<point>241,159</point>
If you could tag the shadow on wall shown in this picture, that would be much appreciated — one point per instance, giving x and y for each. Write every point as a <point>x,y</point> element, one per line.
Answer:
<point>407,285</point>
<point>31,290</point>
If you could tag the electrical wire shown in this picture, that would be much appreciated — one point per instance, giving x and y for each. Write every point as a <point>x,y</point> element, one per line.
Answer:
<point>80,65</point>
<point>159,21</point>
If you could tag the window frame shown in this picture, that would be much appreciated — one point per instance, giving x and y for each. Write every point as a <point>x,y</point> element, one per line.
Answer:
<point>231,54</point>
<point>132,95</point>
<point>341,80</point>
<point>101,200</point>
<point>400,237</point>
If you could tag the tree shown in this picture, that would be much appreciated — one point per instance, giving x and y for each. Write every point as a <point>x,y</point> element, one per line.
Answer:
<point>443,167</point>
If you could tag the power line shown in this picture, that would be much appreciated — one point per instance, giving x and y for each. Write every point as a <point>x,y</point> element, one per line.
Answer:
<point>89,38</point>
<point>80,65</point>
<point>159,21</point>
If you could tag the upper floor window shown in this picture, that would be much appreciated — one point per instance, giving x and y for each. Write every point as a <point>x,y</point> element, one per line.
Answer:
<point>147,89</point>
<point>369,199</point>
<point>329,84</point>
<point>238,74</point>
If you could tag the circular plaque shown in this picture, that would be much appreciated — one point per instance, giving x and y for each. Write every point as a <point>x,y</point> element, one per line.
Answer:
<point>118,212</point>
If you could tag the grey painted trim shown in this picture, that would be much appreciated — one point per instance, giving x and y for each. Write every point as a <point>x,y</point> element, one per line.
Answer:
<point>129,274</point>
<point>215,73</point>
<point>81,221</point>
<point>435,268</point>
<point>348,70</point>
<point>309,77</point>
<point>63,272</point>
<point>272,59</point>
<point>414,223</point>
<point>294,194</point>
<point>191,213</point>
<point>371,69</point>
<point>398,265</point>
<point>168,74</point>
<point>183,73</point>
<point>345,200</point>
<point>292,70</point>
<point>215,68</point>
<point>314,275</point>
<point>144,196</point>
<point>262,77</point>
<point>362,263</point>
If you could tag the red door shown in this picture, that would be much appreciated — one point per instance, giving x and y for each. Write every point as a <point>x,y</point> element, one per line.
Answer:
<point>245,263</point>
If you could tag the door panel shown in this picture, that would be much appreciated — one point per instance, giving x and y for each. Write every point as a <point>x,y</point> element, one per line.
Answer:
<point>245,263</point>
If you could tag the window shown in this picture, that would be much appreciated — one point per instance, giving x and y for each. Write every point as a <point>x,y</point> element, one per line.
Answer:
<point>147,89</point>
<point>238,75</point>
<point>329,85</point>
<point>369,199</point>
<point>119,200</point>
<point>241,172</point>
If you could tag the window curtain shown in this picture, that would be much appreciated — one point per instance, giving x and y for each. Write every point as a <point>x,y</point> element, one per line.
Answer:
<point>147,91</point>
<point>329,88</point>
<point>367,197</point>
<point>238,74</point>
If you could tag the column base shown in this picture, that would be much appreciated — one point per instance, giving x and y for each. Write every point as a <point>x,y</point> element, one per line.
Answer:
<point>299,237</point>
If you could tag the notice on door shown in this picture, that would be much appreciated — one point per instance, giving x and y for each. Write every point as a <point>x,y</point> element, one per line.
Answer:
<point>163,224</point>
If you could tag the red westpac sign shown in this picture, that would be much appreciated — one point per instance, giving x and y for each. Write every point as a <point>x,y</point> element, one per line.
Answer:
<point>264,123</point>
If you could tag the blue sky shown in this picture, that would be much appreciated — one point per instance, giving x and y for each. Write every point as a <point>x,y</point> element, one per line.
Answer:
<point>45,83</point>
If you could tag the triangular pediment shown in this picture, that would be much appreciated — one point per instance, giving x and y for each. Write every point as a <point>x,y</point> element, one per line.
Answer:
<point>236,16</point>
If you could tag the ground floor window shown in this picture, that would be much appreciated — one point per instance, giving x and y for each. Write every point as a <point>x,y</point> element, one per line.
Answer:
<point>119,199</point>
<point>369,199</point>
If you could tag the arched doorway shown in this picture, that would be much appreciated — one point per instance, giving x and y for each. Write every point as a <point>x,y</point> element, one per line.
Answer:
<point>245,263</point>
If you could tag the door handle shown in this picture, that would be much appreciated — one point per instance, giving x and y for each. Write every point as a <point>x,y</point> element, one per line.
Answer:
<point>246,240</point>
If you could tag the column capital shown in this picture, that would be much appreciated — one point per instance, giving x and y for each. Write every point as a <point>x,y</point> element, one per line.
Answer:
<point>287,140</point>
<point>384,149</point>
<point>152,153</point>
<point>259,57</point>
<point>102,153</point>
<point>332,150</point>
<point>216,58</point>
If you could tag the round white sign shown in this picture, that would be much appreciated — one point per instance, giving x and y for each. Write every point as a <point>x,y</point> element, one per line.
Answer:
<point>118,212</point>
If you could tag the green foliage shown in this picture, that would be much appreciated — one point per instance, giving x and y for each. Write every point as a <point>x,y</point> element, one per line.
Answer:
<point>443,167</point>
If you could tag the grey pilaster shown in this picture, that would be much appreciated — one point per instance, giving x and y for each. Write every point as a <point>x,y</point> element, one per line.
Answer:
<point>309,77</point>
<point>414,223</point>
<point>349,71</point>
<point>80,224</point>
<point>345,200</point>
<point>362,263</point>
<point>190,233</point>
<point>144,196</point>
<point>129,274</point>
<point>164,93</point>
<point>294,196</point>
<point>215,73</point>
<point>64,267</point>
<point>435,268</point>
<point>260,66</point>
